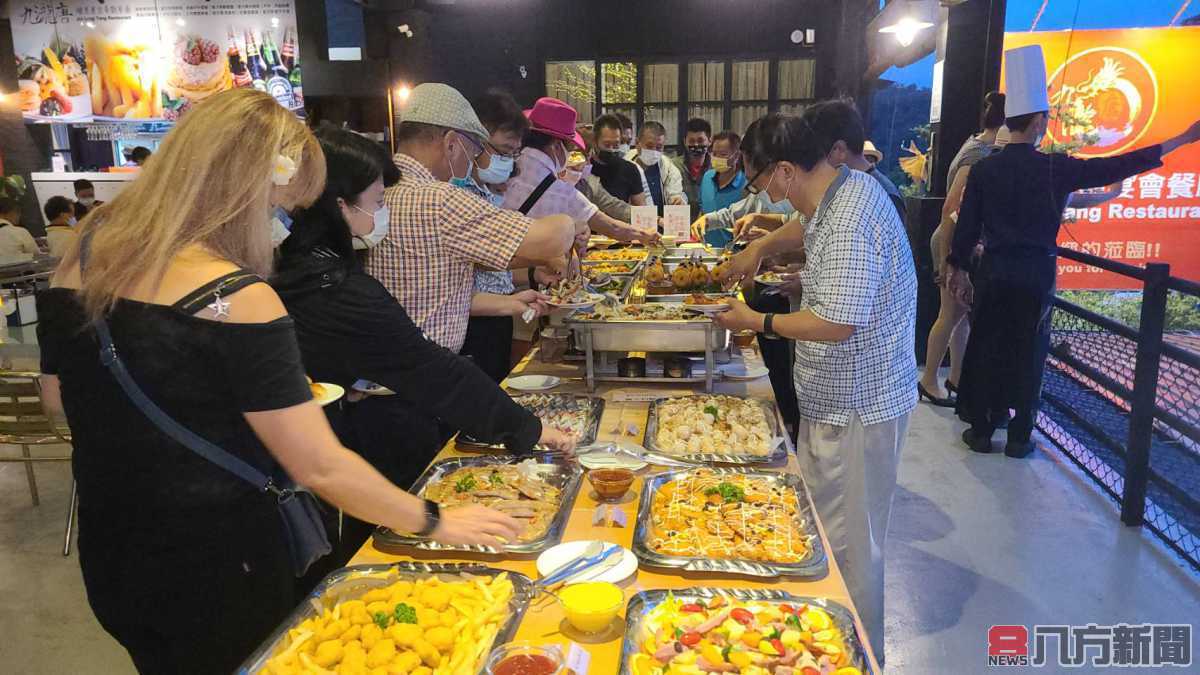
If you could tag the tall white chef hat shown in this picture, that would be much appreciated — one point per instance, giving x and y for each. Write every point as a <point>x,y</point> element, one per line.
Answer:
<point>1025,81</point>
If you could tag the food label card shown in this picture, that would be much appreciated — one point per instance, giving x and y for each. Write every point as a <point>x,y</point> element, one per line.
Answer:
<point>677,221</point>
<point>578,659</point>
<point>644,217</point>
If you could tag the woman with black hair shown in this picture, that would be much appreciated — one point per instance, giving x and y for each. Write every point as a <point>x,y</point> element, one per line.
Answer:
<point>350,329</point>
<point>854,369</point>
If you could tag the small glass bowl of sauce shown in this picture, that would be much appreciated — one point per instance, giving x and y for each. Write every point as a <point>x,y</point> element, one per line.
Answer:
<point>610,484</point>
<point>525,658</point>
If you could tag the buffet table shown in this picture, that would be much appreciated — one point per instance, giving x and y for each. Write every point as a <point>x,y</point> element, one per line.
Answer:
<point>545,623</point>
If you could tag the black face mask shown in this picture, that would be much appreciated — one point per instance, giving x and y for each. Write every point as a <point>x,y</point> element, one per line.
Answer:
<point>609,156</point>
<point>697,150</point>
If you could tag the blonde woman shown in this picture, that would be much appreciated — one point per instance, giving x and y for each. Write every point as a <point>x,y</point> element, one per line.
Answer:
<point>184,563</point>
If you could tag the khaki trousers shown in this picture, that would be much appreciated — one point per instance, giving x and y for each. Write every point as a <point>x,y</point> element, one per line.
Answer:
<point>851,473</point>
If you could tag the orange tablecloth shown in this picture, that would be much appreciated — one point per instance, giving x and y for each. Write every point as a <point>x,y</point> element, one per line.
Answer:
<point>545,623</point>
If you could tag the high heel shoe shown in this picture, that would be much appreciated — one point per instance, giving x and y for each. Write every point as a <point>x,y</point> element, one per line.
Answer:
<point>947,402</point>
<point>951,387</point>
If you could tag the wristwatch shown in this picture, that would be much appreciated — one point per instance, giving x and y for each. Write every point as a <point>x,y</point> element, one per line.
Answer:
<point>768,328</point>
<point>433,516</point>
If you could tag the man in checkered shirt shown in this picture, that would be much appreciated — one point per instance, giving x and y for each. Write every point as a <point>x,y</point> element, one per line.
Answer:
<point>438,232</point>
<point>855,371</point>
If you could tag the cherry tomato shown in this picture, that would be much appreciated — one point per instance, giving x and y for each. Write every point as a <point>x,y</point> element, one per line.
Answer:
<point>690,639</point>
<point>742,616</point>
<point>691,607</point>
<point>779,647</point>
<point>809,670</point>
<point>787,609</point>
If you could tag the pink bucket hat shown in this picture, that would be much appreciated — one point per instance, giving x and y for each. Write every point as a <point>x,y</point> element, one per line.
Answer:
<point>554,118</point>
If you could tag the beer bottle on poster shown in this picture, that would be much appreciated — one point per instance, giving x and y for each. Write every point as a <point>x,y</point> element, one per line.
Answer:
<point>297,87</point>
<point>270,52</point>
<point>288,56</point>
<point>237,68</point>
<point>280,87</point>
<point>254,61</point>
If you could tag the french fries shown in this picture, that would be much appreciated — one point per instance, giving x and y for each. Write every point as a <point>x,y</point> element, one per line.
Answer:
<point>429,626</point>
<point>120,86</point>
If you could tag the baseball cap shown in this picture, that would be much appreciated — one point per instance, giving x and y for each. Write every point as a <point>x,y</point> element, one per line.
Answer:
<point>442,105</point>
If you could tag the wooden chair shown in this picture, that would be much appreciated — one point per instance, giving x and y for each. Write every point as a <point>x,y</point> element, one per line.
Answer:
<point>25,422</point>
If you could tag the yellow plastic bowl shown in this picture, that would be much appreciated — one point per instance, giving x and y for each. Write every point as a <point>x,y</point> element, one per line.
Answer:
<point>591,606</point>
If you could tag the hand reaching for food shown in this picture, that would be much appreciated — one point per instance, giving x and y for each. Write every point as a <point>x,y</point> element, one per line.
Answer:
<point>556,440</point>
<point>475,525</point>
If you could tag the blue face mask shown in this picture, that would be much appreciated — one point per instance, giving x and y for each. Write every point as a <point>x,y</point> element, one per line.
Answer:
<point>498,170</point>
<point>783,205</point>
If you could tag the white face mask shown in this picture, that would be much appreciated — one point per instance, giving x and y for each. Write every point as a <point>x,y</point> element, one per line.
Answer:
<point>87,201</point>
<point>382,220</point>
<point>649,157</point>
<point>281,226</point>
<point>71,221</point>
<point>623,148</point>
<point>570,176</point>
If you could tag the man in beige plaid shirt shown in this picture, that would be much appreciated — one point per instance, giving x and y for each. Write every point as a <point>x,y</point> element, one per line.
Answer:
<point>438,232</point>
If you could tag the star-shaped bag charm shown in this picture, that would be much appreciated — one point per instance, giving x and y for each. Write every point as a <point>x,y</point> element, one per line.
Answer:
<point>219,307</point>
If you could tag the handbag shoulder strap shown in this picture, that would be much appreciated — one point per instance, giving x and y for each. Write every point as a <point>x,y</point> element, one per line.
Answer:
<point>537,193</point>
<point>167,424</point>
<point>226,284</point>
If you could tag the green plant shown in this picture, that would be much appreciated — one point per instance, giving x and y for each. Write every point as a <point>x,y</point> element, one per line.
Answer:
<point>1182,313</point>
<point>13,187</point>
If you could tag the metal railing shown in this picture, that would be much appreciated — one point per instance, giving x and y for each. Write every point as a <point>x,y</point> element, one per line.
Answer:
<point>1123,403</point>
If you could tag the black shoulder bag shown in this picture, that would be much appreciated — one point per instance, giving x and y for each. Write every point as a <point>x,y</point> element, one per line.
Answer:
<point>302,524</point>
<point>537,193</point>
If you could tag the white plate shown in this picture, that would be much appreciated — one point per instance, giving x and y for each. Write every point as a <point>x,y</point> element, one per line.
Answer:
<point>593,298</point>
<point>332,393</point>
<point>766,282</point>
<point>739,371</point>
<point>533,382</point>
<point>707,309</point>
<point>553,558</point>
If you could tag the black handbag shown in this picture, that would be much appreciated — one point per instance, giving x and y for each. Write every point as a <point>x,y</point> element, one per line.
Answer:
<point>302,524</point>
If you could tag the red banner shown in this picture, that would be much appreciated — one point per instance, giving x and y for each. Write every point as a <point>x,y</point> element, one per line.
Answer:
<point>1122,90</point>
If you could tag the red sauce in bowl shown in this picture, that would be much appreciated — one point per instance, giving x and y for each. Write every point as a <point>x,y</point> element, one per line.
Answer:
<point>526,664</point>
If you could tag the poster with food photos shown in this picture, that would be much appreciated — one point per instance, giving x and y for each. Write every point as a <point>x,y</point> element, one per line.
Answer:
<point>113,60</point>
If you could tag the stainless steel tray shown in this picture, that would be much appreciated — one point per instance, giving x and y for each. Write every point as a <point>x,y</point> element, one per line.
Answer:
<point>779,449</point>
<point>634,266</point>
<point>678,297</point>
<point>591,428</point>
<point>681,253</point>
<point>815,566</point>
<point>349,583</point>
<point>693,334</point>
<point>642,603</point>
<point>566,476</point>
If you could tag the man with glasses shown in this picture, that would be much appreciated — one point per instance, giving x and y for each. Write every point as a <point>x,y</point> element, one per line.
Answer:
<point>438,233</point>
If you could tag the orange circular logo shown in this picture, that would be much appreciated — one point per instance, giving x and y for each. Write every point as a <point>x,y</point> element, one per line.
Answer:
<point>1105,98</point>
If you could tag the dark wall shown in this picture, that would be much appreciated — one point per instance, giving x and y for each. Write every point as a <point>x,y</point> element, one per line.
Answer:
<point>477,44</point>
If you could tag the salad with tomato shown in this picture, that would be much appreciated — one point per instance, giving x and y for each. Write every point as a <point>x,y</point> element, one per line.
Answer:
<point>722,635</point>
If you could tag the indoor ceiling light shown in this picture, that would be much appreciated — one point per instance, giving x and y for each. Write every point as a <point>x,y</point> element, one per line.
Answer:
<point>906,29</point>
<point>402,92</point>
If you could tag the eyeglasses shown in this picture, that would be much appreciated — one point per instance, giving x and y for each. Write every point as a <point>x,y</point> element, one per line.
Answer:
<point>497,152</point>
<point>750,184</point>
<point>479,148</point>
